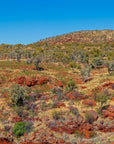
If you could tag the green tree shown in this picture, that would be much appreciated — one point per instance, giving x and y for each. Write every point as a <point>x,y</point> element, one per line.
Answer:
<point>37,61</point>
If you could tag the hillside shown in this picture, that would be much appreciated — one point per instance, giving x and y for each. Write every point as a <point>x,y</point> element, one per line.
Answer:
<point>95,36</point>
<point>59,90</point>
<point>64,47</point>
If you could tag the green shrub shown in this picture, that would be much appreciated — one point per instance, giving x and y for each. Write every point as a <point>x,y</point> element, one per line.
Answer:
<point>22,127</point>
<point>110,66</point>
<point>85,73</point>
<point>37,60</point>
<point>71,85</point>
<point>89,118</point>
<point>73,64</point>
<point>102,97</point>
<point>97,62</point>
<point>19,129</point>
<point>19,94</point>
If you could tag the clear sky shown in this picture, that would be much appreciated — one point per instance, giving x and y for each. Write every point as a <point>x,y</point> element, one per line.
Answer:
<point>27,21</point>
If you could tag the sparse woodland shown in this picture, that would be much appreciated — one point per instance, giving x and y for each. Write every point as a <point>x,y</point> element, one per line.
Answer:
<point>59,90</point>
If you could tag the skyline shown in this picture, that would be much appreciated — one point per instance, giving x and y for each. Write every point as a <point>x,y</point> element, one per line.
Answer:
<point>26,22</point>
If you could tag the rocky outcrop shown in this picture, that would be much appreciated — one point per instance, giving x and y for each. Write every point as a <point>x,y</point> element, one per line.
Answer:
<point>71,127</point>
<point>30,81</point>
<point>109,112</point>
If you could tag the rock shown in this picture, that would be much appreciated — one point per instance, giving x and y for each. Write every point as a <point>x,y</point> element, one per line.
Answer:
<point>83,87</point>
<point>61,141</point>
<point>5,141</point>
<point>105,128</point>
<point>20,80</point>
<point>75,95</point>
<point>16,119</point>
<point>30,83</point>
<point>70,127</point>
<point>33,137</point>
<point>89,102</point>
<point>87,129</point>
<point>59,84</point>
<point>109,85</point>
<point>111,109</point>
<point>109,112</point>
<point>42,81</point>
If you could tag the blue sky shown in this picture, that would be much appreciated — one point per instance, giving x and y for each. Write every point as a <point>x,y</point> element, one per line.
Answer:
<point>27,21</point>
